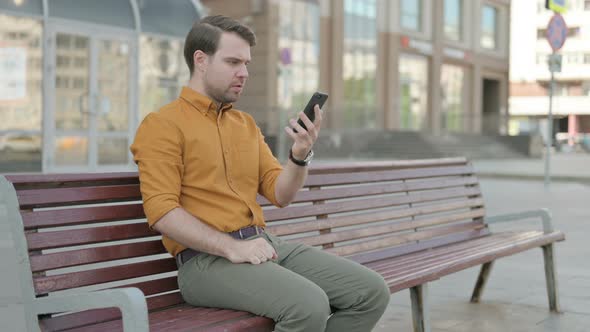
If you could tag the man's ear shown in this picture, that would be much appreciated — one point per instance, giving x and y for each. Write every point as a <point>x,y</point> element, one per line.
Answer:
<point>200,61</point>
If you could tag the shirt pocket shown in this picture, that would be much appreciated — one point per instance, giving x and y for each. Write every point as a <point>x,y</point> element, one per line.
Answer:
<point>246,163</point>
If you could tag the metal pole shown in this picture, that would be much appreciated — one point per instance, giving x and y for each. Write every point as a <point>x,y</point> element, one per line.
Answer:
<point>549,130</point>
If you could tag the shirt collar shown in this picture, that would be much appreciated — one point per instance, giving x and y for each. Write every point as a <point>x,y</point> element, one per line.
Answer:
<point>201,102</point>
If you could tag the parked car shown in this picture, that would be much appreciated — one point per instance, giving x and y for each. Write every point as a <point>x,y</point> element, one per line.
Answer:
<point>20,142</point>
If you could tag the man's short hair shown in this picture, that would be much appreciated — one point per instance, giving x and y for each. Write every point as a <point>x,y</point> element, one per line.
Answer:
<point>205,35</point>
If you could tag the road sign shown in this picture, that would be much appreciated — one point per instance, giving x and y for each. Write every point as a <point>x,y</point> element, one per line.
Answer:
<point>556,32</point>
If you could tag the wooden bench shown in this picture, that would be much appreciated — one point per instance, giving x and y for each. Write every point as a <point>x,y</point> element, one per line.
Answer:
<point>85,250</point>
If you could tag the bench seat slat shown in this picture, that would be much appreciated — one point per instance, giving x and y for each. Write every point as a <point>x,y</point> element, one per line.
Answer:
<point>60,180</point>
<point>364,232</point>
<point>293,212</point>
<point>386,175</point>
<point>79,216</point>
<point>434,273</point>
<point>403,238</point>
<point>442,256</point>
<point>386,254</point>
<point>65,238</point>
<point>36,198</point>
<point>96,316</point>
<point>183,319</point>
<point>376,189</point>
<point>46,284</point>
<point>364,218</point>
<point>95,255</point>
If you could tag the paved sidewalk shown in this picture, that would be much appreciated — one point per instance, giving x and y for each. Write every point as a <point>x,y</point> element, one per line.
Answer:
<point>573,167</point>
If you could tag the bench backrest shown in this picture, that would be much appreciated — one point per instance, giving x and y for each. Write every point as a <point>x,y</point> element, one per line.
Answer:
<point>88,231</point>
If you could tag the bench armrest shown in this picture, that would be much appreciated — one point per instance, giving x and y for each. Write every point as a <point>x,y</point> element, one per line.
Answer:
<point>130,301</point>
<point>544,214</point>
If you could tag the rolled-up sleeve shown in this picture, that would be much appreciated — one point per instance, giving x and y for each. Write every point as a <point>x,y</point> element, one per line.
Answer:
<point>157,151</point>
<point>269,170</point>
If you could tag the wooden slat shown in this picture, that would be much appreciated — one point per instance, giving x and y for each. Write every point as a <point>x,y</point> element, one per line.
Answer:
<point>365,218</point>
<point>48,284</point>
<point>170,321</point>
<point>365,204</point>
<point>95,255</point>
<point>156,286</point>
<point>79,216</point>
<point>387,254</point>
<point>363,166</point>
<point>376,189</point>
<point>65,238</point>
<point>60,180</point>
<point>436,258</point>
<point>251,324</point>
<point>35,198</point>
<point>403,238</point>
<point>435,273</point>
<point>441,256</point>
<point>365,232</point>
<point>324,168</point>
<point>388,175</point>
<point>89,317</point>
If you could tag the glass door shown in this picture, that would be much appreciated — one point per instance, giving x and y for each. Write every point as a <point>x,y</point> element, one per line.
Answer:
<point>89,124</point>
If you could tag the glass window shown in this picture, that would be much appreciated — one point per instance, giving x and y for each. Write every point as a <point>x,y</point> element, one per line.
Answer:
<point>360,64</point>
<point>20,94</point>
<point>34,7</point>
<point>299,53</point>
<point>109,12</point>
<point>162,72</point>
<point>411,13</point>
<point>489,24</point>
<point>452,86</point>
<point>413,76</point>
<point>156,14</point>
<point>453,15</point>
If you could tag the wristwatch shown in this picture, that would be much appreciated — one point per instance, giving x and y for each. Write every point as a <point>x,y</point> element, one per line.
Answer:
<point>303,162</point>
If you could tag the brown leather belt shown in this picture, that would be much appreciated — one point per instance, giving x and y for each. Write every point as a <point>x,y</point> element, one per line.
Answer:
<point>241,234</point>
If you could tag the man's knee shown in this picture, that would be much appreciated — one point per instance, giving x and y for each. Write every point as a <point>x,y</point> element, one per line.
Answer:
<point>377,292</point>
<point>310,308</point>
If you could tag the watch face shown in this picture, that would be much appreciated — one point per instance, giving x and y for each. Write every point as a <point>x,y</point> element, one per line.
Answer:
<point>309,156</point>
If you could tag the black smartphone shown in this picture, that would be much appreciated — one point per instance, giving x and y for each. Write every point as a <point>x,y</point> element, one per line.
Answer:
<point>318,98</point>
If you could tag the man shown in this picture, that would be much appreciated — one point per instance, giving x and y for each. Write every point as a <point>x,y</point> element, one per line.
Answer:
<point>201,164</point>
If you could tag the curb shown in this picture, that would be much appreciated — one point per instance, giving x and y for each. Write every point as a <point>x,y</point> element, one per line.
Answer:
<point>534,177</point>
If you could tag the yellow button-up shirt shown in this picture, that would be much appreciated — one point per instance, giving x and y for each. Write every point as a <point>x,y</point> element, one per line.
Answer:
<point>208,161</point>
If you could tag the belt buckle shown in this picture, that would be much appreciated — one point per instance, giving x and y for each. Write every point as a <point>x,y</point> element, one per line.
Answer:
<point>240,233</point>
<point>257,230</point>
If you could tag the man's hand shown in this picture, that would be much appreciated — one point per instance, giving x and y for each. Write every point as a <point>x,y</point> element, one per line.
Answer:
<point>255,251</point>
<point>304,139</point>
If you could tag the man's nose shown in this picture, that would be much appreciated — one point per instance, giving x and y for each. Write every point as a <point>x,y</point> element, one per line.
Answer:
<point>243,72</point>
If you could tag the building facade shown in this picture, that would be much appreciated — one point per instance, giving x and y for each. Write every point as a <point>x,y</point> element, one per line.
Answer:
<point>79,75</point>
<point>530,76</point>
<point>404,65</point>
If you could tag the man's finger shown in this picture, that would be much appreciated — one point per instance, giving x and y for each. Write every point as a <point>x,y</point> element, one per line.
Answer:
<point>318,116</point>
<point>310,125</point>
<point>297,126</point>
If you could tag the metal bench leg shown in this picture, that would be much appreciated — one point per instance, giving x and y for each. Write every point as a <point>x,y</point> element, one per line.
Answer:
<point>551,277</point>
<point>420,308</point>
<point>482,279</point>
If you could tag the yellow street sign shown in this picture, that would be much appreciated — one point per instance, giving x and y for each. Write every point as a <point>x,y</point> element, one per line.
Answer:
<point>557,6</point>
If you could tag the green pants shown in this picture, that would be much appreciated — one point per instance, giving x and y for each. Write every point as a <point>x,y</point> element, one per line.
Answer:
<point>305,289</point>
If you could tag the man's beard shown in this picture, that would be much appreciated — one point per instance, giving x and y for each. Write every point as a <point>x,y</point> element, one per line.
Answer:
<point>220,95</point>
